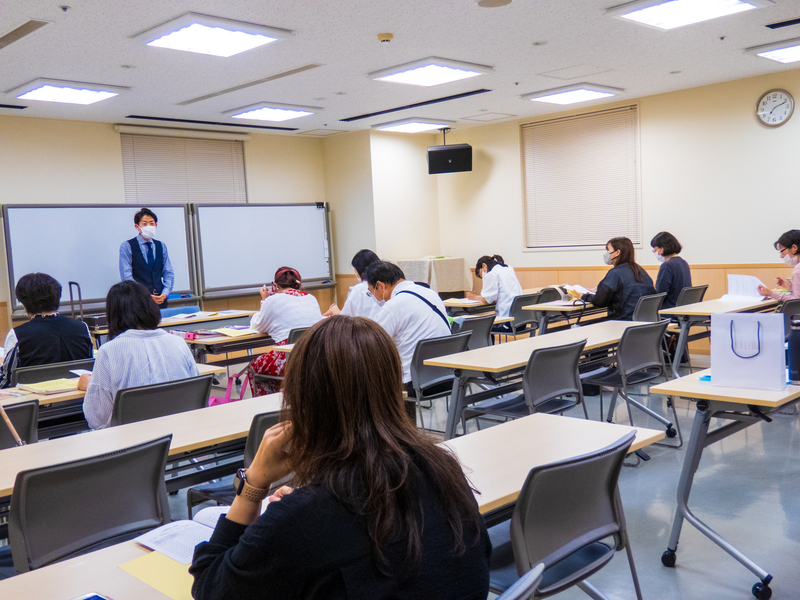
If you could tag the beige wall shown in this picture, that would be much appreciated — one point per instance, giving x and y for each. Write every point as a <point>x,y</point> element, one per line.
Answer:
<point>405,196</point>
<point>723,184</point>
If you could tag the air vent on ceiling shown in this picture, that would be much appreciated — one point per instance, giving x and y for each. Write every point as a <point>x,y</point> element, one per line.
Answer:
<point>250,84</point>
<point>783,24</point>
<point>242,125</point>
<point>20,32</point>
<point>418,104</point>
<point>321,132</point>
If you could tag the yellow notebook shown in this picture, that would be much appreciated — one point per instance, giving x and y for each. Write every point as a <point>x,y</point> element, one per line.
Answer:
<point>234,333</point>
<point>168,576</point>
<point>54,386</point>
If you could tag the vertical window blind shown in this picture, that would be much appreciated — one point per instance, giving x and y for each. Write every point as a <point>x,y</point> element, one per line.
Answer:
<point>582,179</point>
<point>173,170</point>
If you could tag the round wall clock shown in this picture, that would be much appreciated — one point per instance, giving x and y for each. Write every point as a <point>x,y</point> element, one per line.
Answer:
<point>774,108</point>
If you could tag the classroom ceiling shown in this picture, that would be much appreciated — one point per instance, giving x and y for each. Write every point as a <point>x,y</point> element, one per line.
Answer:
<point>532,45</point>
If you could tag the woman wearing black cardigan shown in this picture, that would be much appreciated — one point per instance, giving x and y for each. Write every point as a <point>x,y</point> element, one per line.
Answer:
<point>378,510</point>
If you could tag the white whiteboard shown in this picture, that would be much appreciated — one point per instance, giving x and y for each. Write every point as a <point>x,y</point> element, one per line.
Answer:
<point>242,246</point>
<point>81,243</point>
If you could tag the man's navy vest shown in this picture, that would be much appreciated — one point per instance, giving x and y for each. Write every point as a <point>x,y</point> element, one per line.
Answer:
<point>52,339</point>
<point>148,275</point>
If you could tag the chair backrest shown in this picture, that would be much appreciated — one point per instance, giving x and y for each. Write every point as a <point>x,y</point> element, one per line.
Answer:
<point>258,426</point>
<point>423,375</point>
<point>161,399</point>
<point>24,416</point>
<point>648,306</point>
<point>68,509</point>
<point>481,328</point>
<point>178,310</point>
<point>789,308</point>
<point>549,294</point>
<point>640,348</point>
<point>691,295</point>
<point>39,373</point>
<point>524,317</point>
<point>566,505</point>
<point>295,334</point>
<point>552,372</point>
<point>524,587</point>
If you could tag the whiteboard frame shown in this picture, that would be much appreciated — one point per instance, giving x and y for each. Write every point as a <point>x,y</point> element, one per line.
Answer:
<point>190,249</point>
<point>245,288</point>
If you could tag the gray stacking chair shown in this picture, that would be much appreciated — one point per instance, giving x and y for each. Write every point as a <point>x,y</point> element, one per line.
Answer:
<point>178,310</point>
<point>24,416</point>
<point>647,308</point>
<point>789,308</point>
<point>222,491</point>
<point>569,517</point>
<point>549,294</point>
<point>161,399</point>
<point>296,334</point>
<point>691,295</point>
<point>481,328</point>
<point>525,321</point>
<point>639,360</point>
<point>430,383</point>
<point>41,373</point>
<point>69,509</point>
<point>525,586</point>
<point>550,375</point>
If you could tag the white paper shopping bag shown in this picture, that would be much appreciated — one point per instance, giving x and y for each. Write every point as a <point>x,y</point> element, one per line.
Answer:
<point>747,351</point>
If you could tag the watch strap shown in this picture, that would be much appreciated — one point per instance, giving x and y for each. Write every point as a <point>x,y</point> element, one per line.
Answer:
<point>253,493</point>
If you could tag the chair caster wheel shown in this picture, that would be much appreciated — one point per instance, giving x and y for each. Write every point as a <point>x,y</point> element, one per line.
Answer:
<point>762,591</point>
<point>668,560</point>
<point>671,432</point>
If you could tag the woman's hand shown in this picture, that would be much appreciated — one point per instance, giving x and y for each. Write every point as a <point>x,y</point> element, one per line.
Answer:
<point>265,292</point>
<point>271,462</point>
<point>764,291</point>
<point>333,309</point>
<point>472,296</point>
<point>784,283</point>
<point>83,381</point>
<point>280,493</point>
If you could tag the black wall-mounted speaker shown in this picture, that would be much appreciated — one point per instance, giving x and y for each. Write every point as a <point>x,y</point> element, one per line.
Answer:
<point>449,159</point>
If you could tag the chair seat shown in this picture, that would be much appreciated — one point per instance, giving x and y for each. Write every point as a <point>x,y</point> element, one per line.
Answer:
<point>438,388</point>
<point>221,491</point>
<point>574,568</point>
<point>516,407</point>
<point>612,378</point>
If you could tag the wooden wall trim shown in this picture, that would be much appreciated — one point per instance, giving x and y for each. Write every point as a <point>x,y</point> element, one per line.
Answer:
<point>692,265</point>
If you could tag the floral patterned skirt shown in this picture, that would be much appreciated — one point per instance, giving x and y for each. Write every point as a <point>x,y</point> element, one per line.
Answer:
<point>269,363</point>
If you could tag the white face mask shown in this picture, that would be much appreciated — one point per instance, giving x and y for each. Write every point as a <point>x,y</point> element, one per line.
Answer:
<point>791,260</point>
<point>660,258</point>
<point>378,302</point>
<point>607,258</point>
<point>148,231</point>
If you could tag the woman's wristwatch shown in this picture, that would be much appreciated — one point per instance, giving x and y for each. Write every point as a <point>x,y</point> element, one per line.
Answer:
<point>246,490</point>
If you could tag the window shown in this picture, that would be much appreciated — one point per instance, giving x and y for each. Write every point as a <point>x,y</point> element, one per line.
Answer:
<point>581,179</point>
<point>174,170</point>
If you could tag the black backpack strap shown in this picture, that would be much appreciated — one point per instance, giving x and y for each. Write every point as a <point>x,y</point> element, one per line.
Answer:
<point>433,308</point>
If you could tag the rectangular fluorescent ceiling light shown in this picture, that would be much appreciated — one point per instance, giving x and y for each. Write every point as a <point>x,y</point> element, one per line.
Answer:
<point>204,34</point>
<point>787,51</point>
<point>572,94</point>
<point>670,14</point>
<point>413,125</point>
<point>430,71</point>
<point>272,111</point>
<point>69,92</point>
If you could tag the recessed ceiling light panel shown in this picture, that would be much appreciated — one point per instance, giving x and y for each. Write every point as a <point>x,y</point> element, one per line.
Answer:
<point>787,51</point>
<point>413,125</point>
<point>572,94</point>
<point>69,92</point>
<point>204,34</point>
<point>272,111</point>
<point>669,14</point>
<point>430,71</point>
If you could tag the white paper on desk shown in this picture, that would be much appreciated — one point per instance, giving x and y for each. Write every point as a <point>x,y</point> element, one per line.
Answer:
<point>743,287</point>
<point>227,313</point>
<point>561,303</point>
<point>462,301</point>
<point>201,314</point>
<point>176,540</point>
<point>209,516</point>
<point>576,288</point>
<point>80,372</point>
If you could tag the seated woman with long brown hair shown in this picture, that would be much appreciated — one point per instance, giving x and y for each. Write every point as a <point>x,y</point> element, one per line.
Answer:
<point>378,509</point>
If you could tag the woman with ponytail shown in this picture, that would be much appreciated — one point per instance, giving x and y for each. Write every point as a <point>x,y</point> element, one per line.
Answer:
<point>283,307</point>
<point>500,284</point>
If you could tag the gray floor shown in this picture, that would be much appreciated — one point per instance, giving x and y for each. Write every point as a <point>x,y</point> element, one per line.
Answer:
<point>747,488</point>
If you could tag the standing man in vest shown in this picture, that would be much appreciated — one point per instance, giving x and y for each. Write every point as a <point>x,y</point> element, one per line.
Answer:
<point>145,260</point>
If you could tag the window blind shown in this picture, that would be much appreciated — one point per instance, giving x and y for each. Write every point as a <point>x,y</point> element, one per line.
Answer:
<point>173,170</point>
<point>582,179</point>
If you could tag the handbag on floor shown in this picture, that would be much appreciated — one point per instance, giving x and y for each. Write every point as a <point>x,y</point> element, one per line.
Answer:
<point>747,351</point>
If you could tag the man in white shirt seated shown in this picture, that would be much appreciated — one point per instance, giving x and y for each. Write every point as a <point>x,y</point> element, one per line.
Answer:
<point>410,313</point>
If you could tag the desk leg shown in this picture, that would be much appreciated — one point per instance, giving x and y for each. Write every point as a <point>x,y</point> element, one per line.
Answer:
<point>676,362</point>
<point>457,403</point>
<point>543,323</point>
<point>694,452</point>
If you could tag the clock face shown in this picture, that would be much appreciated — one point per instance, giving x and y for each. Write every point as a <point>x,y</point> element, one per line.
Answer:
<point>775,107</point>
